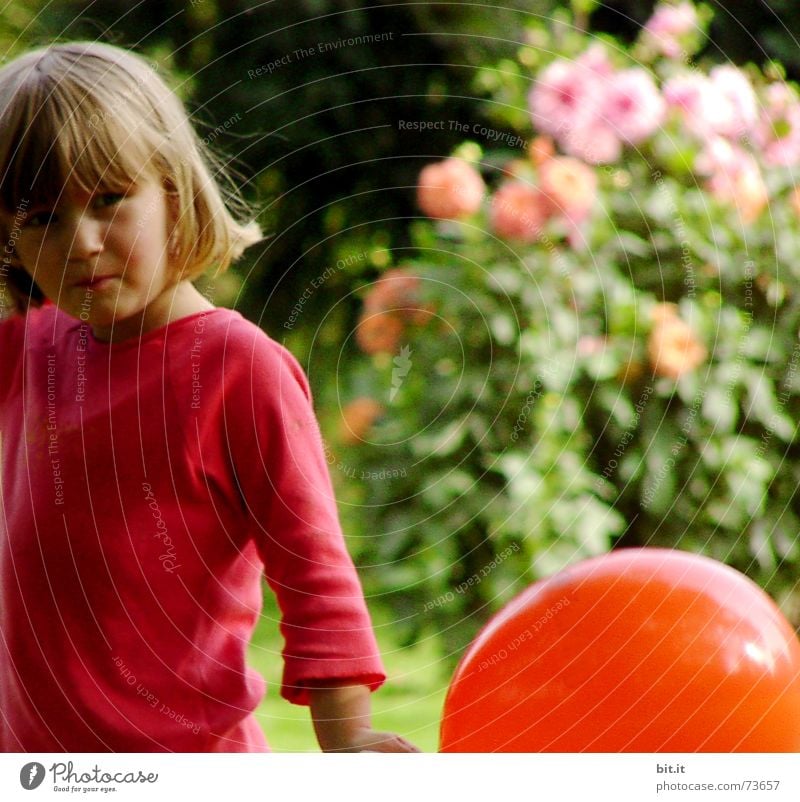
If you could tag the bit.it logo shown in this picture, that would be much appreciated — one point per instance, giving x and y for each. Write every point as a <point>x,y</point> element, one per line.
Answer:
<point>31,776</point>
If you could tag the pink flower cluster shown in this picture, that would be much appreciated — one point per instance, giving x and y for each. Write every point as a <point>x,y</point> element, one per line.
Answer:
<point>592,110</point>
<point>722,103</point>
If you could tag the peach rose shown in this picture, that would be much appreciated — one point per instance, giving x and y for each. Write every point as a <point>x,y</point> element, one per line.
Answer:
<point>673,348</point>
<point>358,418</point>
<point>392,303</point>
<point>519,211</point>
<point>450,189</point>
<point>571,186</point>
<point>397,291</point>
<point>541,149</point>
<point>379,333</point>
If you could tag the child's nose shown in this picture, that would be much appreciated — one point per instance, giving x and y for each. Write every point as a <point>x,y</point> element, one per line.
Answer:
<point>85,238</point>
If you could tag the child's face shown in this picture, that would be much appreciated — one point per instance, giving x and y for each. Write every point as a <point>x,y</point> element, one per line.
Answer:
<point>102,257</point>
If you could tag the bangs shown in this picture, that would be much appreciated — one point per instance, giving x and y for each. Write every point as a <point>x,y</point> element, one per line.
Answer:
<point>57,137</point>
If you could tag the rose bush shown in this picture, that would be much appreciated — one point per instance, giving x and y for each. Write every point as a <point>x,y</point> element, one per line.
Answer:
<point>609,352</point>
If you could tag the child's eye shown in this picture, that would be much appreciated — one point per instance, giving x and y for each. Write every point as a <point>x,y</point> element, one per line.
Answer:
<point>108,199</point>
<point>40,218</point>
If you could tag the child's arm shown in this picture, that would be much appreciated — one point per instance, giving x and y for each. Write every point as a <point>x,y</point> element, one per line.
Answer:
<point>343,722</point>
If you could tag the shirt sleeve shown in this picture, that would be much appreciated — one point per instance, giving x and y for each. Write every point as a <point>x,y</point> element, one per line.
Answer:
<point>282,474</point>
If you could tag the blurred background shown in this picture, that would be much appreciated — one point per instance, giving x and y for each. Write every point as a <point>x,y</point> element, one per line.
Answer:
<point>326,113</point>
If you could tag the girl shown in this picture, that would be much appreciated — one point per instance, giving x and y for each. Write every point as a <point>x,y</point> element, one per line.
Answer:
<point>159,454</point>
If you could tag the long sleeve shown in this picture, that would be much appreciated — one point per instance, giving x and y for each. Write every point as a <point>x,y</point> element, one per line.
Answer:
<point>279,462</point>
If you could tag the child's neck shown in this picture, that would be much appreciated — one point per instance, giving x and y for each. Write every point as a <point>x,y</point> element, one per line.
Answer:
<point>178,301</point>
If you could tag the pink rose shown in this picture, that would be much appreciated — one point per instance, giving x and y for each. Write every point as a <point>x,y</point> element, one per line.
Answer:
<point>668,25</point>
<point>739,108</point>
<point>450,189</point>
<point>519,211</point>
<point>778,131</point>
<point>593,142</point>
<point>735,178</point>
<point>632,105</point>
<point>563,97</point>
<point>591,110</point>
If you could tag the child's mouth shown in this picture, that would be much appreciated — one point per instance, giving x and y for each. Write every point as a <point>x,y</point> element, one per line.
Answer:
<point>97,283</point>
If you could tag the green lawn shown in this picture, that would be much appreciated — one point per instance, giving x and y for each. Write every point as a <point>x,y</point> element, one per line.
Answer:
<point>409,703</point>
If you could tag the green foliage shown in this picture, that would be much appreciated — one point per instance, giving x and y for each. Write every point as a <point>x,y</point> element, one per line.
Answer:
<point>629,379</point>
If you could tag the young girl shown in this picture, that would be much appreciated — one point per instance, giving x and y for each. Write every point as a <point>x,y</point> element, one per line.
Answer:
<point>159,454</point>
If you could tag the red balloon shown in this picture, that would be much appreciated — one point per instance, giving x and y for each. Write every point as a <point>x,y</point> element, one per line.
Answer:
<point>641,650</point>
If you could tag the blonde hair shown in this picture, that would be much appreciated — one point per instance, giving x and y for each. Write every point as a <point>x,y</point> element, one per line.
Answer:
<point>94,115</point>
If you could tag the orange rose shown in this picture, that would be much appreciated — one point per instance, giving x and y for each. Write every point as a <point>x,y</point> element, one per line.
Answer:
<point>358,418</point>
<point>541,149</point>
<point>379,333</point>
<point>570,185</point>
<point>673,348</point>
<point>519,211</point>
<point>450,189</point>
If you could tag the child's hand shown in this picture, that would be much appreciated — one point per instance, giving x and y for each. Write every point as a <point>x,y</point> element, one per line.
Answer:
<point>369,740</point>
<point>342,722</point>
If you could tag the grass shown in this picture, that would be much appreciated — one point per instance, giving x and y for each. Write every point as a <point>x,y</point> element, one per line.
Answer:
<point>409,703</point>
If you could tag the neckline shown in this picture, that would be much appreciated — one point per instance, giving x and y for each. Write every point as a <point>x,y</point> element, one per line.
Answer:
<point>153,335</point>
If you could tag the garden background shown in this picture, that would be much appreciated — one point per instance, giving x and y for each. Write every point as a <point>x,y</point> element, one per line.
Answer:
<point>579,333</point>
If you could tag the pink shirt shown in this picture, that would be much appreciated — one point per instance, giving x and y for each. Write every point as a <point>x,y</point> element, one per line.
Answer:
<point>147,486</point>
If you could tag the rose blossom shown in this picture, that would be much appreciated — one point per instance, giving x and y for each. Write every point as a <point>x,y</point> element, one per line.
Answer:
<point>450,189</point>
<point>379,332</point>
<point>570,185</point>
<point>519,211</point>
<point>632,105</point>
<point>739,111</point>
<point>668,24</point>
<point>724,104</point>
<point>591,110</point>
<point>541,149</point>
<point>357,419</point>
<point>563,97</point>
<point>593,142</point>
<point>778,132</point>
<point>673,347</point>
<point>735,178</point>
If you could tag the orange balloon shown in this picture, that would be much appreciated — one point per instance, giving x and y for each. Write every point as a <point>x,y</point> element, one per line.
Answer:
<point>641,650</point>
